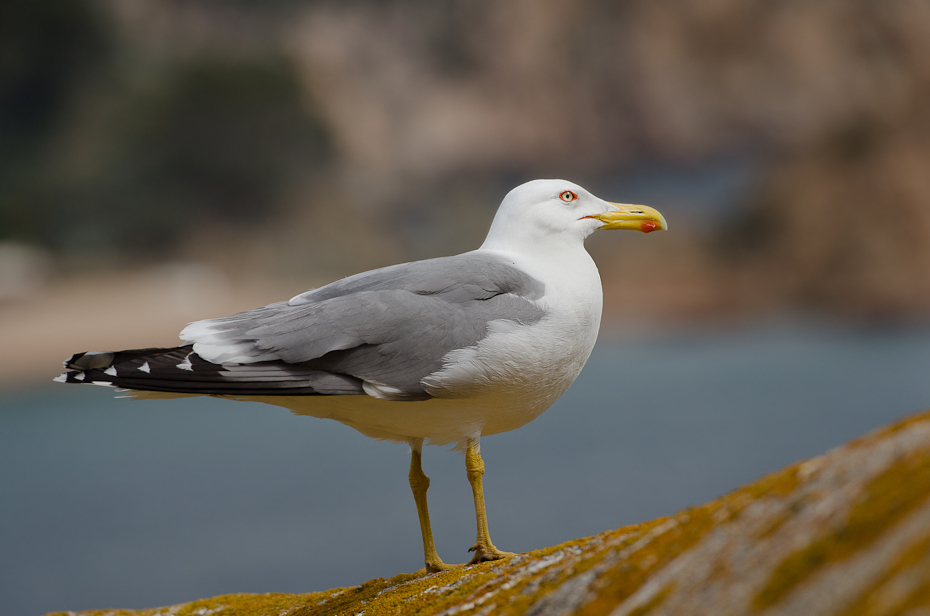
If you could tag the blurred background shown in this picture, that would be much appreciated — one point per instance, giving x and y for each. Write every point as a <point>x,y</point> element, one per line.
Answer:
<point>164,161</point>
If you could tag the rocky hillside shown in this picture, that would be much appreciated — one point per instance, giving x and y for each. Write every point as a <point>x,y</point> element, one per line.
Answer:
<point>246,134</point>
<point>846,533</point>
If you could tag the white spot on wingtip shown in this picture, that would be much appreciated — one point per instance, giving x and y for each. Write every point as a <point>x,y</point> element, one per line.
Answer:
<point>61,378</point>
<point>79,376</point>
<point>110,371</point>
<point>383,392</point>
<point>186,364</point>
<point>145,367</point>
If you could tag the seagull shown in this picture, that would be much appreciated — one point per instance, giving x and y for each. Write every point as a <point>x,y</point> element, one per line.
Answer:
<point>441,351</point>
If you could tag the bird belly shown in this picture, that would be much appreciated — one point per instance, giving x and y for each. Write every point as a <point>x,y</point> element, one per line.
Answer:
<point>440,421</point>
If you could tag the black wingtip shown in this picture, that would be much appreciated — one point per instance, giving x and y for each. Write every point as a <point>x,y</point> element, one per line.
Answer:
<point>79,376</point>
<point>180,370</point>
<point>90,360</point>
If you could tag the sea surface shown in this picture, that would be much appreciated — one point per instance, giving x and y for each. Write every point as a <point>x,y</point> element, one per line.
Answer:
<point>107,502</point>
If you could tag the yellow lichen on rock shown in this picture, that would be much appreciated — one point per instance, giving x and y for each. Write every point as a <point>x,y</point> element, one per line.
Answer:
<point>846,533</point>
<point>884,501</point>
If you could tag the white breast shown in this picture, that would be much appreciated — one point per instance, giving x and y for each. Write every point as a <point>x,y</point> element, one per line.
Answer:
<point>518,371</point>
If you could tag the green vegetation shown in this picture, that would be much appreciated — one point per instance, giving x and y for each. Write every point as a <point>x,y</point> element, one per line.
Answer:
<point>48,50</point>
<point>214,143</point>
<point>107,149</point>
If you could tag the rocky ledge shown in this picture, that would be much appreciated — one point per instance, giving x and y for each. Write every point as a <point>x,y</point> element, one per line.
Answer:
<point>846,533</point>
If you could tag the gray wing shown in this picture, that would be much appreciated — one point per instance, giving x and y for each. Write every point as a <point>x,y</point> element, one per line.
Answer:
<point>390,327</point>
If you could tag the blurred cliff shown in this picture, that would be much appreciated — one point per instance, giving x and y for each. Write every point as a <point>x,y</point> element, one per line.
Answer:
<point>788,143</point>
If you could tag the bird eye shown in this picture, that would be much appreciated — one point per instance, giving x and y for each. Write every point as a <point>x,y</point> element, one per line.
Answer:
<point>568,196</point>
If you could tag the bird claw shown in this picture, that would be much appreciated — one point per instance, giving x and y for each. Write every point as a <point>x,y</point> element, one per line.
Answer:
<point>484,553</point>
<point>439,567</point>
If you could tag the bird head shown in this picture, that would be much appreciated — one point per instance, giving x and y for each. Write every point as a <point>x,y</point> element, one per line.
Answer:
<point>543,212</point>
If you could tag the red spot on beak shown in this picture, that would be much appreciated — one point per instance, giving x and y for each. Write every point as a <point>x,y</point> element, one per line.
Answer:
<point>648,226</point>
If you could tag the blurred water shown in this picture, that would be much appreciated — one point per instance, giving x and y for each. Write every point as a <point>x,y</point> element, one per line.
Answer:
<point>112,503</point>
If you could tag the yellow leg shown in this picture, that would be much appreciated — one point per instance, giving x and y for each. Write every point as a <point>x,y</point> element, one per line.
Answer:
<point>483,548</point>
<point>419,483</point>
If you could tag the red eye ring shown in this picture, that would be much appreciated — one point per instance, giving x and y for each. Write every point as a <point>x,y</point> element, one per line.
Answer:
<point>567,196</point>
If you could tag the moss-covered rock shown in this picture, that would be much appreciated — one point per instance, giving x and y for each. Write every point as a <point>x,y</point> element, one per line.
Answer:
<point>846,533</point>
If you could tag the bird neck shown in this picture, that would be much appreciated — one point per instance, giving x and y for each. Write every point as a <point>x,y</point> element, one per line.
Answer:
<point>564,266</point>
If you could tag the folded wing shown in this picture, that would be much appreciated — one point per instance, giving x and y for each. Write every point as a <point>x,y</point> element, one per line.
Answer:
<point>377,333</point>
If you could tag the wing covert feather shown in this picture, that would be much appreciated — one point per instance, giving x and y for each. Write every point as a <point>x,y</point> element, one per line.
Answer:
<point>391,326</point>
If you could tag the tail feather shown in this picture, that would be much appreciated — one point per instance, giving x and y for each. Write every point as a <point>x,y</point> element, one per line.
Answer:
<point>181,370</point>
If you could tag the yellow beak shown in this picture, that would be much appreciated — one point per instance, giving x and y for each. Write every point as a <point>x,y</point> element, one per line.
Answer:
<point>632,218</point>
